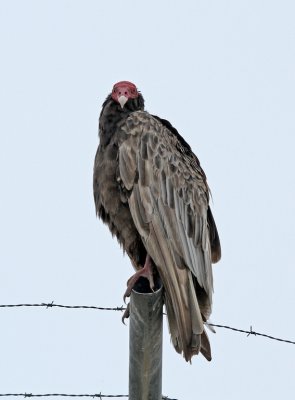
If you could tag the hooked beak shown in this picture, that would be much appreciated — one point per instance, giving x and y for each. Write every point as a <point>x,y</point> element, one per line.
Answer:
<point>122,100</point>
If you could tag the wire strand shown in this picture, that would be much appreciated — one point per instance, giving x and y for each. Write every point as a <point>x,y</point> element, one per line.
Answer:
<point>122,308</point>
<point>97,395</point>
<point>251,332</point>
<point>52,304</point>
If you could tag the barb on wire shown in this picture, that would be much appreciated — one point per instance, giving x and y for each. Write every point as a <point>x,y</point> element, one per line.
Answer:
<point>99,395</point>
<point>122,308</point>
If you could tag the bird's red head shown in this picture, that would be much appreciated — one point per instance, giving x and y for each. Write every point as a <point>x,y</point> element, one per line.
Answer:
<point>123,91</point>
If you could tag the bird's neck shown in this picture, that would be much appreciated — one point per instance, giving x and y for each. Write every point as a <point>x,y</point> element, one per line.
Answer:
<point>111,115</point>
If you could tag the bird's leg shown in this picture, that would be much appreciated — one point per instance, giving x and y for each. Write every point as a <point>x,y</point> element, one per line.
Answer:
<point>145,272</point>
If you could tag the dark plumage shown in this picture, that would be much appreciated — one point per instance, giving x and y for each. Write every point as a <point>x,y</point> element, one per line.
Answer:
<point>151,191</point>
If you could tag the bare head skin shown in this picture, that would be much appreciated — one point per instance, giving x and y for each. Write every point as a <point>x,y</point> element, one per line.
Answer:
<point>123,91</point>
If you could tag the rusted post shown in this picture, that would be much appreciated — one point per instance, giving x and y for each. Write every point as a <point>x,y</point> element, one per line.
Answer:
<point>145,344</point>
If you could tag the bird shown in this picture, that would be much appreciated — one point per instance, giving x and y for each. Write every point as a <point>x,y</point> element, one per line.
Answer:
<point>151,191</point>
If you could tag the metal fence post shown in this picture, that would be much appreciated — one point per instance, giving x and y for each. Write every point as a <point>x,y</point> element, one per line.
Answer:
<point>145,345</point>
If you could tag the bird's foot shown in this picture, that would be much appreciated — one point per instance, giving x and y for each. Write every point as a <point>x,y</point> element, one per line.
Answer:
<point>145,272</point>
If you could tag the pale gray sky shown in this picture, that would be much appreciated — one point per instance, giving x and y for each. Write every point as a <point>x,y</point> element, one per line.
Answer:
<point>223,73</point>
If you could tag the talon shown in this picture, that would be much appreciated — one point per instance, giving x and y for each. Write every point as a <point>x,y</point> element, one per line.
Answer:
<point>126,314</point>
<point>130,287</point>
<point>126,294</point>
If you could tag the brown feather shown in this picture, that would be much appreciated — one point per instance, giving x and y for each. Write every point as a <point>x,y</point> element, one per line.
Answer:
<point>151,191</point>
<point>168,199</point>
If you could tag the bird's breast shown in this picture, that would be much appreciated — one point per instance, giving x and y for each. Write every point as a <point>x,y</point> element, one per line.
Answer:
<point>110,200</point>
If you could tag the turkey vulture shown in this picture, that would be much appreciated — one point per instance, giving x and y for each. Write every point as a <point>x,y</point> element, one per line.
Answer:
<point>151,191</point>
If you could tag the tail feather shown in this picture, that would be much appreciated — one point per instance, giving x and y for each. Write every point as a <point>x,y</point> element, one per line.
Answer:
<point>205,346</point>
<point>185,306</point>
<point>186,323</point>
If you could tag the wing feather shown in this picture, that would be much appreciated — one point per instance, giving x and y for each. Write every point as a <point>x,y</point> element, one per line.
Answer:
<point>169,202</point>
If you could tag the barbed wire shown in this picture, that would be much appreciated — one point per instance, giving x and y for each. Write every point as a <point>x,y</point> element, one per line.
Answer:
<point>251,332</point>
<point>122,308</point>
<point>98,395</point>
<point>52,304</point>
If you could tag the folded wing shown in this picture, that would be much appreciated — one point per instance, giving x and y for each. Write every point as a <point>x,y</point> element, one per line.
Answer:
<point>168,199</point>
